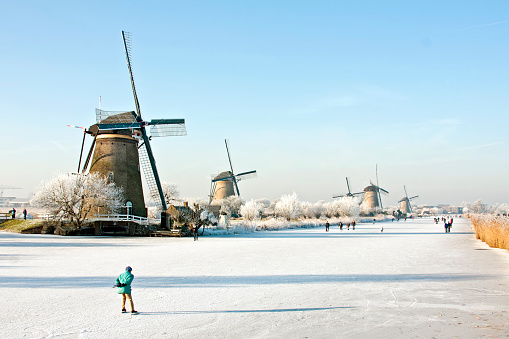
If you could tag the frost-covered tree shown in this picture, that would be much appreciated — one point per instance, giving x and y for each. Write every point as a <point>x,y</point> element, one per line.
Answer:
<point>231,205</point>
<point>76,196</point>
<point>331,209</point>
<point>477,206</point>
<point>348,207</point>
<point>312,210</point>
<point>366,210</point>
<point>264,202</point>
<point>170,192</point>
<point>500,209</point>
<point>288,206</point>
<point>251,210</point>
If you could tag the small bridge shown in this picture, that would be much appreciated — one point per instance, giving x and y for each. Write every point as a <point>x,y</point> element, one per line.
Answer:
<point>122,217</point>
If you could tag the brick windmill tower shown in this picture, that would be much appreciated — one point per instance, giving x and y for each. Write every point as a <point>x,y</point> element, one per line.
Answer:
<point>121,148</point>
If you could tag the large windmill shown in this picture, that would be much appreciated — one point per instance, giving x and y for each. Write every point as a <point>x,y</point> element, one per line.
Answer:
<point>373,194</point>
<point>118,154</point>
<point>405,205</point>
<point>225,184</point>
<point>349,194</point>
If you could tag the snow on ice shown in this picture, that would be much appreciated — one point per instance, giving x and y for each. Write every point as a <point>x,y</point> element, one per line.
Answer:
<point>410,281</point>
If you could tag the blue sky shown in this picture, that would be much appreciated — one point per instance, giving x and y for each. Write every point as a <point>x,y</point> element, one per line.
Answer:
<point>307,92</point>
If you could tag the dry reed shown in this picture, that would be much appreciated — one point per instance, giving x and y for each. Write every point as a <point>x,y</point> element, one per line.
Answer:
<point>492,229</point>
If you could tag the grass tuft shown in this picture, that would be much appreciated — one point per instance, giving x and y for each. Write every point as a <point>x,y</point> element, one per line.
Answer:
<point>492,229</point>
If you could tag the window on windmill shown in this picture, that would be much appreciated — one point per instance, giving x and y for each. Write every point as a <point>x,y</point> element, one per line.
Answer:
<point>110,177</point>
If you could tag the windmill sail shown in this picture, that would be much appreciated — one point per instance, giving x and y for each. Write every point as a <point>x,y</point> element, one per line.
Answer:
<point>349,194</point>
<point>150,171</point>
<point>89,156</point>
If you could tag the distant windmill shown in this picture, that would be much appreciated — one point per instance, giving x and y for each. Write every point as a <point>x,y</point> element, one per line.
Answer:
<point>225,184</point>
<point>405,205</point>
<point>117,155</point>
<point>372,196</point>
<point>349,194</point>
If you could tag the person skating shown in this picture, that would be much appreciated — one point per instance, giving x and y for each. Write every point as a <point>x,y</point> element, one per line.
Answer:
<point>353,225</point>
<point>340,226</point>
<point>123,283</point>
<point>327,226</point>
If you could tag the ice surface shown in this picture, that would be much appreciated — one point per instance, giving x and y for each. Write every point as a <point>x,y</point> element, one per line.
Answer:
<point>411,281</point>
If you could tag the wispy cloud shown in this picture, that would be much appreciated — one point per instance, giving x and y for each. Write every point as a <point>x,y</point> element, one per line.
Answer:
<point>478,146</point>
<point>483,25</point>
<point>59,145</point>
<point>358,96</point>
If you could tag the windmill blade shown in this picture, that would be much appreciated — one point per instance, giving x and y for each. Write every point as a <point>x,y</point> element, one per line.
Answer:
<point>406,194</point>
<point>167,127</point>
<point>212,191</point>
<point>246,175</point>
<point>416,196</point>
<point>231,167</point>
<point>111,127</point>
<point>85,166</point>
<point>148,164</point>
<point>348,185</point>
<point>82,145</point>
<point>228,178</point>
<point>338,196</point>
<point>126,36</point>
<point>114,117</point>
<point>358,193</point>
<point>378,191</point>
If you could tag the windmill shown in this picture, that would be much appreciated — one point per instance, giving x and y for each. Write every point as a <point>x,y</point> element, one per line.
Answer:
<point>225,184</point>
<point>349,194</point>
<point>116,151</point>
<point>405,205</point>
<point>372,196</point>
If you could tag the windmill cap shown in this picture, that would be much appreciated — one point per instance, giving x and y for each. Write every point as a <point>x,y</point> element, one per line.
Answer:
<point>129,268</point>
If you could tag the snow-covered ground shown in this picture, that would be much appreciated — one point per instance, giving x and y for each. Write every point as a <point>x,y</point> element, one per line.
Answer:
<point>411,281</point>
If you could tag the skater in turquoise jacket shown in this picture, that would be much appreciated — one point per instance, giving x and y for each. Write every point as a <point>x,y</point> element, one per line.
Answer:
<point>124,287</point>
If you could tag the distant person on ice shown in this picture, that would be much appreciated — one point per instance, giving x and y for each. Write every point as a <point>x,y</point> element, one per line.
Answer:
<point>13,213</point>
<point>195,232</point>
<point>25,214</point>
<point>340,226</point>
<point>124,287</point>
<point>327,226</point>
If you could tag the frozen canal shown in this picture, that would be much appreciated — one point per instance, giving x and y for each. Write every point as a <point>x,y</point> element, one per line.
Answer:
<point>411,281</point>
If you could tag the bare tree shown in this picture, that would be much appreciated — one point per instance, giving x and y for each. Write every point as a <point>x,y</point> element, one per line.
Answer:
<point>170,192</point>
<point>76,196</point>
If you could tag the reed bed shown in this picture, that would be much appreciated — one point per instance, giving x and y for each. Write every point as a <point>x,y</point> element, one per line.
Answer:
<point>492,229</point>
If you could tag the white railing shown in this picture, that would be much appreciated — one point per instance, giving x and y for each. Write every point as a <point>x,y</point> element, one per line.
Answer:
<point>123,217</point>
